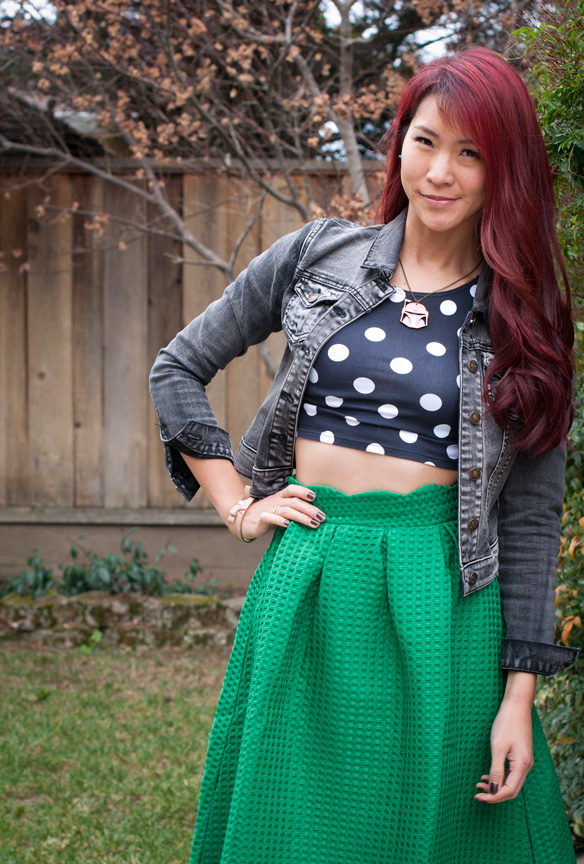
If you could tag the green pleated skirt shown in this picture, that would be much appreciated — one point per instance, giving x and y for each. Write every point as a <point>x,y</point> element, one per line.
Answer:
<point>354,719</point>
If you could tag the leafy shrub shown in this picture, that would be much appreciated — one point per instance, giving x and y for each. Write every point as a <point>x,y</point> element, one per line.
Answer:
<point>116,573</point>
<point>555,47</point>
<point>35,581</point>
<point>561,698</point>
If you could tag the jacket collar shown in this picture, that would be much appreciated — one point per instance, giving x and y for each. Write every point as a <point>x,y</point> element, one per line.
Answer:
<point>383,254</point>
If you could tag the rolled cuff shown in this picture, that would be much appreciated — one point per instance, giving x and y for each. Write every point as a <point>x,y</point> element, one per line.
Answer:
<point>542,658</point>
<point>200,441</point>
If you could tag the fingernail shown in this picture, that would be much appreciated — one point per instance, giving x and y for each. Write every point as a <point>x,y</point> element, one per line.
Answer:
<point>311,496</point>
<point>286,523</point>
<point>494,787</point>
<point>320,516</point>
<point>314,523</point>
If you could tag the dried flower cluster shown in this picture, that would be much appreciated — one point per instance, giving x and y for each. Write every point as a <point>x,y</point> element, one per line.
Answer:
<point>254,86</point>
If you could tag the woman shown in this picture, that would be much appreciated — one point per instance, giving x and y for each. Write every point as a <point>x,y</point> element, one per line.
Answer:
<point>378,705</point>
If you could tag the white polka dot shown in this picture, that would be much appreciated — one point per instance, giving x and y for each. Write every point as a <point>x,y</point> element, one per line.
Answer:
<point>459,331</point>
<point>333,401</point>
<point>338,352</point>
<point>436,348</point>
<point>375,448</point>
<point>375,334</point>
<point>458,381</point>
<point>352,421</point>
<point>448,307</point>
<point>430,463</point>
<point>473,290</point>
<point>442,430</point>
<point>401,365</point>
<point>310,409</point>
<point>363,385</point>
<point>388,411</point>
<point>313,376</point>
<point>430,402</point>
<point>398,296</point>
<point>452,451</point>
<point>327,437</point>
<point>408,437</point>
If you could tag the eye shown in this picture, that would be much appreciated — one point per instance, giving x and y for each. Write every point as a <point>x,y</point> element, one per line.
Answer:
<point>474,154</point>
<point>423,140</point>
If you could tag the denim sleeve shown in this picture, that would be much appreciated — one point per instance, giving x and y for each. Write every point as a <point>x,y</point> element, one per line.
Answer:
<point>530,507</point>
<point>249,310</point>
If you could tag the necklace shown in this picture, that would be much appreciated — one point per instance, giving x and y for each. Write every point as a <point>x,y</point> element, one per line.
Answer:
<point>415,315</point>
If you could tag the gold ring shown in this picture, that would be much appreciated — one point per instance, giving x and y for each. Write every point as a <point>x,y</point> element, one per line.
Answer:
<point>276,508</point>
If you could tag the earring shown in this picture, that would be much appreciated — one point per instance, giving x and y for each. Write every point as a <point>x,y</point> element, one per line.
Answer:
<point>399,157</point>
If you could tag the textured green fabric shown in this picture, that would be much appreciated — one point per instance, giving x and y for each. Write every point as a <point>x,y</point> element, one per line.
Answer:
<point>355,716</point>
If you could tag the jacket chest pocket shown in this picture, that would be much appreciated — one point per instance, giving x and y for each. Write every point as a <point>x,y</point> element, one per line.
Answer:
<point>309,304</point>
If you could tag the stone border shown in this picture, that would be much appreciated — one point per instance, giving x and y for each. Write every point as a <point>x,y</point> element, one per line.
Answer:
<point>131,620</point>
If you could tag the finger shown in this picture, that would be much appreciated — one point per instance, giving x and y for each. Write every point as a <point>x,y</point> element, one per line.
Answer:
<point>294,503</point>
<point>490,787</point>
<point>299,492</point>
<point>483,784</point>
<point>275,519</point>
<point>511,787</point>
<point>297,511</point>
<point>497,769</point>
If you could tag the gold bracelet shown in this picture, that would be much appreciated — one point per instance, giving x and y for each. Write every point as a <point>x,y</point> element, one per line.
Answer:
<point>236,514</point>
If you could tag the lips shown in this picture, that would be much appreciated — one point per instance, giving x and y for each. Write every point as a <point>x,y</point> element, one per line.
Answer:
<point>437,202</point>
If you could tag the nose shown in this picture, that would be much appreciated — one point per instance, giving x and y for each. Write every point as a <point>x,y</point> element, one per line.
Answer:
<point>440,171</point>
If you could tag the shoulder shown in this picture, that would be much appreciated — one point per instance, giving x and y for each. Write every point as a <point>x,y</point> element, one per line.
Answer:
<point>344,243</point>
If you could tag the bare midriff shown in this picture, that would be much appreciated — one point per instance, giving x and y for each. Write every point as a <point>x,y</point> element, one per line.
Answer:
<point>353,471</point>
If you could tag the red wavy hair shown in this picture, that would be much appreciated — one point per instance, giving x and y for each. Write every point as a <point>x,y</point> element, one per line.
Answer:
<point>528,385</point>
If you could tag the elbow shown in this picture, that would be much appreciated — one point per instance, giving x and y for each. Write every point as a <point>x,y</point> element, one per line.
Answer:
<point>157,373</point>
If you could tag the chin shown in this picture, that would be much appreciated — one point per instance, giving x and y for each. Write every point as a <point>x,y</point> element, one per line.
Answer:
<point>447,221</point>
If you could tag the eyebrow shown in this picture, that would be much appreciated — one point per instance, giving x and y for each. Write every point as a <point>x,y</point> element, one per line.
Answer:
<point>436,135</point>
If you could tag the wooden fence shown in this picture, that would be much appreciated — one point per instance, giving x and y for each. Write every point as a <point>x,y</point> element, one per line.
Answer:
<point>81,321</point>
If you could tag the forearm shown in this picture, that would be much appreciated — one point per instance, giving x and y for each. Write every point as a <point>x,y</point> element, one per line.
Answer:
<point>220,481</point>
<point>224,487</point>
<point>520,688</point>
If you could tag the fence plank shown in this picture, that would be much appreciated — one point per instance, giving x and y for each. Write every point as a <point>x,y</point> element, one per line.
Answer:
<point>88,345</point>
<point>50,350</point>
<point>14,473</point>
<point>205,197</point>
<point>243,374</point>
<point>164,322</point>
<point>277,220</point>
<point>125,361</point>
<point>76,347</point>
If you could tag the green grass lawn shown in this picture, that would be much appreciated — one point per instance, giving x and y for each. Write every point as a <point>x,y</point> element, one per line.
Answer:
<point>101,756</point>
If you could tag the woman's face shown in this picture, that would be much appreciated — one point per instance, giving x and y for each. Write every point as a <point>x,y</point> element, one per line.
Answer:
<point>442,172</point>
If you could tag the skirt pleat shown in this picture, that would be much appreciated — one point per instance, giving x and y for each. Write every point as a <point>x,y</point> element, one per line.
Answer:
<point>356,710</point>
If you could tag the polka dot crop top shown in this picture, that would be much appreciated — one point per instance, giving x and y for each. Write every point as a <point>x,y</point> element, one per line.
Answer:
<point>379,386</point>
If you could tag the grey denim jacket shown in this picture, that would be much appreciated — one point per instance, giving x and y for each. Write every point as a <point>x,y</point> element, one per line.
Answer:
<point>310,284</point>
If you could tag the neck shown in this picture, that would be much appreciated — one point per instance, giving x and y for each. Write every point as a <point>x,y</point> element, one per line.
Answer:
<point>449,252</point>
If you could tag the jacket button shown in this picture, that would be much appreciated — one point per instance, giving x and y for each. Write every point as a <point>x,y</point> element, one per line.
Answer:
<point>312,298</point>
<point>474,473</point>
<point>475,417</point>
<point>472,365</point>
<point>472,524</point>
<point>472,579</point>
